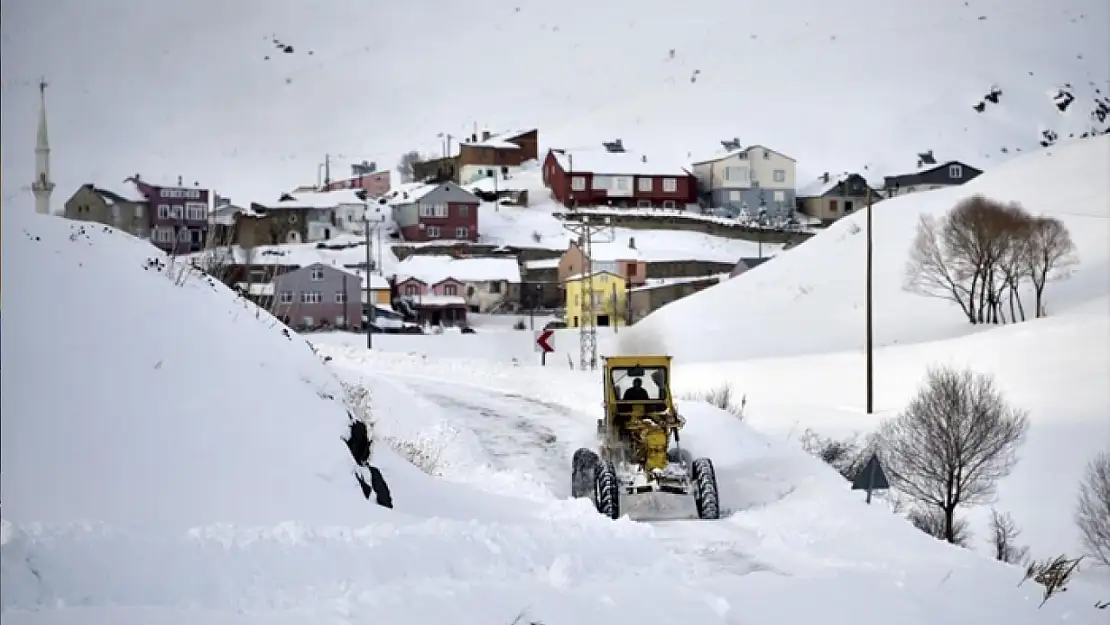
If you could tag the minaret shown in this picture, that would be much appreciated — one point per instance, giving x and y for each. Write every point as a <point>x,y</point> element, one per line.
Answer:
<point>43,186</point>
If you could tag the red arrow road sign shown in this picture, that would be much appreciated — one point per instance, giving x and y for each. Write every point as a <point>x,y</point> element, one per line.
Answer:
<point>543,338</point>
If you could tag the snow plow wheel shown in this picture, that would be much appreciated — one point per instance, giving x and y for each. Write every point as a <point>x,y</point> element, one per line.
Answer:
<point>583,470</point>
<point>705,489</point>
<point>607,491</point>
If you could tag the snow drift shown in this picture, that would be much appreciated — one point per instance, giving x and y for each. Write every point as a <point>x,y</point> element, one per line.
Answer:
<point>811,299</point>
<point>168,455</point>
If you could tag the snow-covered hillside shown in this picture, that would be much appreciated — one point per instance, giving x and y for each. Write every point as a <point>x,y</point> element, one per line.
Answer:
<point>811,299</point>
<point>835,85</point>
<point>171,456</point>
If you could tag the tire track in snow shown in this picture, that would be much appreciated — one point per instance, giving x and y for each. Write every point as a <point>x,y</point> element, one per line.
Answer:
<point>510,429</point>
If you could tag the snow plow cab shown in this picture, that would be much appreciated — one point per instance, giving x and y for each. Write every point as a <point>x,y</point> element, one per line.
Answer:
<point>639,448</point>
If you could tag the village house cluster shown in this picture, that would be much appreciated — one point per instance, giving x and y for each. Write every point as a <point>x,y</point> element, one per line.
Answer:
<point>277,248</point>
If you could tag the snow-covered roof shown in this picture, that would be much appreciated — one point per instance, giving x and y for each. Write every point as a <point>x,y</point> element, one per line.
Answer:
<point>723,154</point>
<point>617,163</point>
<point>821,186</point>
<point>225,215</point>
<point>328,199</point>
<point>501,141</point>
<point>656,283</point>
<point>408,193</point>
<point>124,190</point>
<point>377,282</point>
<point>579,276</point>
<point>435,269</point>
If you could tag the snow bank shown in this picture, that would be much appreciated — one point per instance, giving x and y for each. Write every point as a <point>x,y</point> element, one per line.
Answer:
<point>811,299</point>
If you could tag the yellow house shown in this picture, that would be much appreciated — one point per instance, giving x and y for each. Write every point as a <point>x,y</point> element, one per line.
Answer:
<point>609,298</point>
<point>378,293</point>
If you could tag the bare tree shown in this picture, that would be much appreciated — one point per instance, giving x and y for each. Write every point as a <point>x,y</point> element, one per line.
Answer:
<point>1004,534</point>
<point>407,165</point>
<point>953,442</point>
<point>932,273</point>
<point>932,521</point>
<point>981,253</point>
<point>1092,513</point>
<point>1050,255</point>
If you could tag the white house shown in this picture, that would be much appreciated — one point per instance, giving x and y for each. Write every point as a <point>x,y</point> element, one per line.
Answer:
<point>348,208</point>
<point>489,283</point>
<point>754,180</point>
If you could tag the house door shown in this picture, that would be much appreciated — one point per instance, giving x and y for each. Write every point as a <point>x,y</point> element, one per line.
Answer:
<point>603,321</point>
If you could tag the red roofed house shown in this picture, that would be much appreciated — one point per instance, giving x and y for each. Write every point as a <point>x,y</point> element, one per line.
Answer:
<point>613,177</point>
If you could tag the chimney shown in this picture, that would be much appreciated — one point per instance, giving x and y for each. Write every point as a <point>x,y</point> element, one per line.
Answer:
<point>180,181</point>
<point>485,135</point>
<point>825,177</point>
<point>632,243</point>
<point>643,159</point>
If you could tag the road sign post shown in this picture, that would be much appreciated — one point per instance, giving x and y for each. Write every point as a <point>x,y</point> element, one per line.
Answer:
<point>871,478</point>
<point>545,344</point>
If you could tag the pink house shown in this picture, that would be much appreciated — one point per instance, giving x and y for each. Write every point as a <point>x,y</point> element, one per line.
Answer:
<point>441,303</point>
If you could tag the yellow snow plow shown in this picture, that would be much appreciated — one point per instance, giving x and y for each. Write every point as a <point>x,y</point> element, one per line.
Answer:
<point>639,448</point>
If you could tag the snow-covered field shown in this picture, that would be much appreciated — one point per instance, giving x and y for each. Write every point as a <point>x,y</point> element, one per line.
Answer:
<point>170,455</point>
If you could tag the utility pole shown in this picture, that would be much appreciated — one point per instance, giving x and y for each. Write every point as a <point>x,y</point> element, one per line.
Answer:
<point>327,170</point>
<point>870,342</point>
<point>587,314</point>
<point>370,304</point>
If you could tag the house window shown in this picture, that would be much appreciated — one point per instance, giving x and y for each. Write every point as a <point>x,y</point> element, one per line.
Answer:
<point>340,297</point>
<point>464,210</point>
<point>163,211</point>
<point>623,183</point>
<point>317,275</point>
<point>310,297</point>
<point>433,232</point>
<point>669,204</point>
<point>425,210</point>
<point>670,185</point>
<point>601,183</point>
<point>195,211</point>
<point>177,212</point>
<point>734,196</point>
<point>286,297</point>
<point>736,174</point>
<point>462,232</point>
<point>410,289</point>
<point>834,206</point>
<point>495,287</point>
<point>645,185</point>
<point>450,289</point>
<point>643,203</point>
<point>440,210</point>
<point>955,172</point>
<point>195,236</point>
<point>780,196</point>
<point>848,206</point>
<point>340,321</point>
<point>163,235</point>
<point>307,321</point>
<point>138,211</point>
<point>780,175</point>
<point>183,235</point>
<point>578,183</point>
